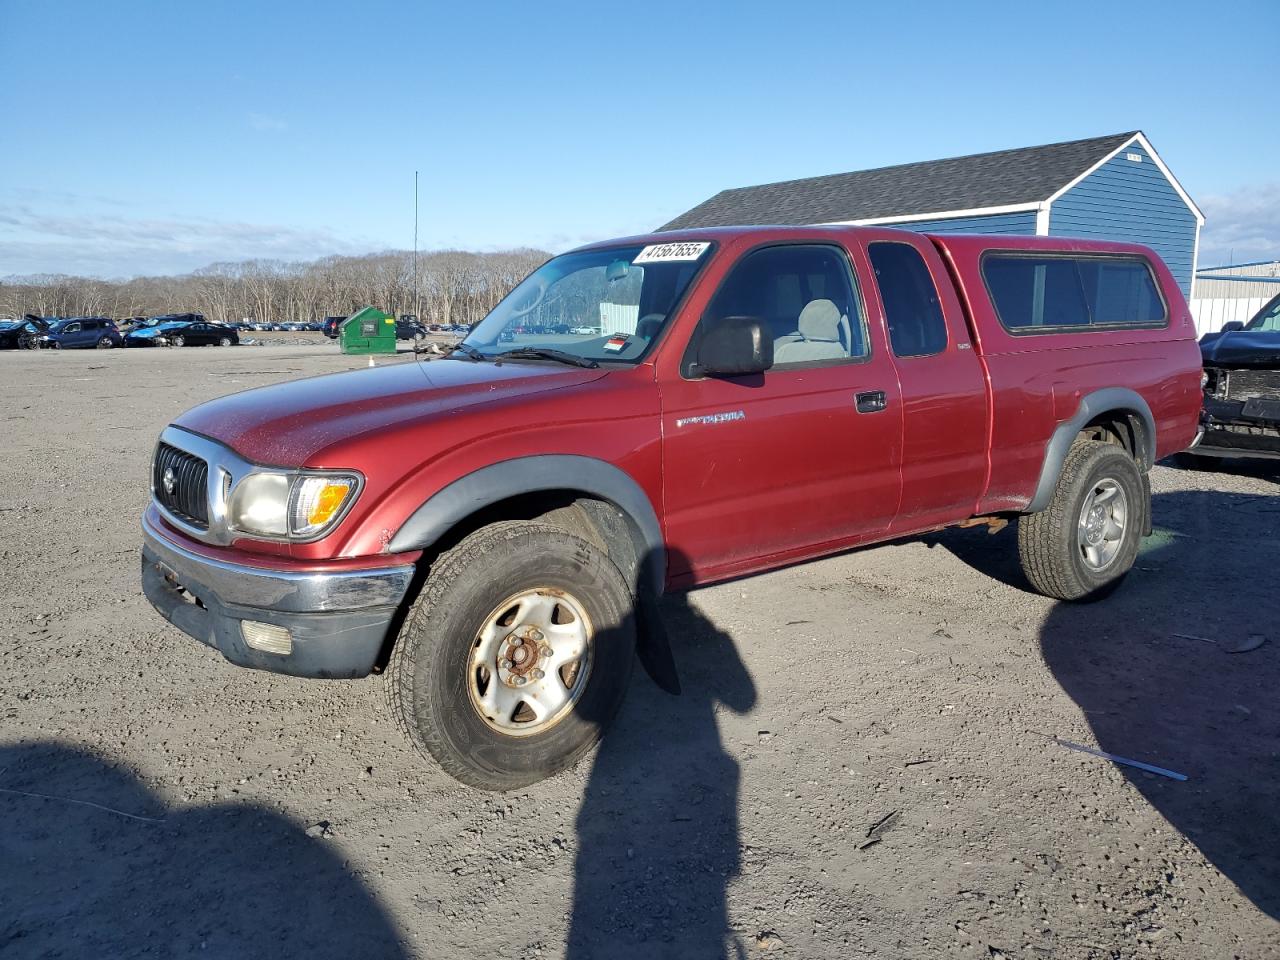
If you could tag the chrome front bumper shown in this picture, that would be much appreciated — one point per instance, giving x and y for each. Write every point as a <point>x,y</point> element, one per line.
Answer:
<point>338,622</point>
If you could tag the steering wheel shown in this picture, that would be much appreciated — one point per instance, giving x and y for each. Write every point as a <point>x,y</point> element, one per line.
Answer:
<point>648,325</point>
<point>541,294</point>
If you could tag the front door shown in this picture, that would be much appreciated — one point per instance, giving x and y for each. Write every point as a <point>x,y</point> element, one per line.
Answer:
<point>761,469</point>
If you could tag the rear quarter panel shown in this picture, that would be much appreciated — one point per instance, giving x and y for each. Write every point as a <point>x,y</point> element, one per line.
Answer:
<point>1038,380</point>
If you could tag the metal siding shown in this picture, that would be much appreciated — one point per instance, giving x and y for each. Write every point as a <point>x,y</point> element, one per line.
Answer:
<point>1211,313</point>
<point>1021,224</point>
<point>1133,202</point>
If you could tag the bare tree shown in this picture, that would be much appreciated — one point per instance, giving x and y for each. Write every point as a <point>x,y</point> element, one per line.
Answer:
<point>457,286</point>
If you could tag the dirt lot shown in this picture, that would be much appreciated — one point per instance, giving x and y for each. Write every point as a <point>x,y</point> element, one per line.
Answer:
<point>189,807</point>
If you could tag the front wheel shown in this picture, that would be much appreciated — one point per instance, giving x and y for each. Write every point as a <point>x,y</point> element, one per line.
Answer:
<point>224,342</point>
<point>515,656</point>
<point>1086,541</point>
<point>178,342</point>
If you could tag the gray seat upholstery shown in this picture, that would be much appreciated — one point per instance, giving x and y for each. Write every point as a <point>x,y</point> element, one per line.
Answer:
<point>819,336</point>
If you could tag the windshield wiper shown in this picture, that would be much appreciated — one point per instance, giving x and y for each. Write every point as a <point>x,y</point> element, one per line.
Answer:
<point>547,353</point>
<point>468,350</point>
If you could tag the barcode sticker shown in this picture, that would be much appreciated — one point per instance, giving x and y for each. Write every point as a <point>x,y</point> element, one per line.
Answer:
<point>666,252</point>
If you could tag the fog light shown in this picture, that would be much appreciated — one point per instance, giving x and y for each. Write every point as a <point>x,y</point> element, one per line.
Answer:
<point>267,637</point>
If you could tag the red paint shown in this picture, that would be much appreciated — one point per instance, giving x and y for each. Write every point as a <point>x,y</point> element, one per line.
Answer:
<point>799,474</point>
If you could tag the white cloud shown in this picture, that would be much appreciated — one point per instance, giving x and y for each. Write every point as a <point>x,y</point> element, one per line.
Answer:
<point>112,246</point>
<point>1241,226</point>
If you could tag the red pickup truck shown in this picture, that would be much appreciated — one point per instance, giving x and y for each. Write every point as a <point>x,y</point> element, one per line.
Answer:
<point>491,529</point>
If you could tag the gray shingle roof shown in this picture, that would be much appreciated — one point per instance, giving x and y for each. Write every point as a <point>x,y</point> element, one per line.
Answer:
<point>1024,175</point>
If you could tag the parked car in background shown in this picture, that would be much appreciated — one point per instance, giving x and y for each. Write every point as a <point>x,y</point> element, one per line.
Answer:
<point>1241,414</point>
<point>331,326</point>
<point>21,334</point>
<point>80,333</point>
<point>409,330</point>
<point>183,334</point>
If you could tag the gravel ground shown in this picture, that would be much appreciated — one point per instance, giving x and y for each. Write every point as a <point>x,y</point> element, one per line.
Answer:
<point>862,762</point>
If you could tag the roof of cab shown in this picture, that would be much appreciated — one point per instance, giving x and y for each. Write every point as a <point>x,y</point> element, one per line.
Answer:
<point>953,241</point>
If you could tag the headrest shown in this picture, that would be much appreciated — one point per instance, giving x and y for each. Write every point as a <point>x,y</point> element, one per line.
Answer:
<point>820,320</point>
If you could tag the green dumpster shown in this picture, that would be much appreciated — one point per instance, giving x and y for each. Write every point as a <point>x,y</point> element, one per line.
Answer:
<point>368,331</point>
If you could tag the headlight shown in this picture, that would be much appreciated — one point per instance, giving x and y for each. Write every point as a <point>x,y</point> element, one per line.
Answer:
<point>290,506</point>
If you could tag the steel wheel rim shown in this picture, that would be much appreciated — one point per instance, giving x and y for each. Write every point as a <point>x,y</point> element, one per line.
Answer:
<point>526,671</point>
<point>1104,517</point>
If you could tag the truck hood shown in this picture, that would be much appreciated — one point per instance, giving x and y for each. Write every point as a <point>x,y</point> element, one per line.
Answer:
<point>288,424</point>
<point>1241,348</point>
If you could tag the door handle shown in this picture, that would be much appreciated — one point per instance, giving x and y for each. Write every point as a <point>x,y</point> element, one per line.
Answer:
<point>870,401</point>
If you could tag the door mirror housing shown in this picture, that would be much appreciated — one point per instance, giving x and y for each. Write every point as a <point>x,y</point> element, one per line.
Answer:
<point>1232,325</point>
<point>734,347</point>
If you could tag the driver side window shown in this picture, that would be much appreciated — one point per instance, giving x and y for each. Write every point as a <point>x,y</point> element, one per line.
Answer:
<point>805,296</point>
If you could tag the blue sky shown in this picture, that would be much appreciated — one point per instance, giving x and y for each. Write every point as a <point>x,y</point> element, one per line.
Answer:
<point>159,137</point>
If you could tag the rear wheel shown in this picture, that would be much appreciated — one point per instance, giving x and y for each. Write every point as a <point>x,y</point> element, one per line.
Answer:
<point>106,343</point>
<point>178,341</point>
<point>515,656</point>
<point>1085,542</point>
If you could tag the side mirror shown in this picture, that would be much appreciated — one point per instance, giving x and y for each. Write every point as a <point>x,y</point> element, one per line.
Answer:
<point>735,347</point>
<point>1232,325</point>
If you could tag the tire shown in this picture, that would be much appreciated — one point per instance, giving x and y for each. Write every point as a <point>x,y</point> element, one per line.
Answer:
<point>1054,548</point>
<point>224,342</point>
<point>106,343</point>
<point>433,682</point>
<point>178,342</point>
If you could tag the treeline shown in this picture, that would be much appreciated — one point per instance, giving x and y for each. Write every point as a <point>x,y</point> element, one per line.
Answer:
<point>453,286</point>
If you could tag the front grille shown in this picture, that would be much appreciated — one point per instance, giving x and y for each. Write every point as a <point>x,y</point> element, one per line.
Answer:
<point>189,498</point>
<point>1247,384</point>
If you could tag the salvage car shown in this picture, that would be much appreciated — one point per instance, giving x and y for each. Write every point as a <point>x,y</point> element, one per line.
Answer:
<point>1241,416</point>
<point>181,334</point>
<point>80,333</point>
<point>490,530</point>
<point>21,334</point>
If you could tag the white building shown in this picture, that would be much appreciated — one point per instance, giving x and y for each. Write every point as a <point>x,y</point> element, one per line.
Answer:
<point>1223,294</point>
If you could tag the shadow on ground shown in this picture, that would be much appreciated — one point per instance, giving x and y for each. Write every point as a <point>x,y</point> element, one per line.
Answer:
<point>230,880</point>
<point>658,833</point>
<point>1149,668</point>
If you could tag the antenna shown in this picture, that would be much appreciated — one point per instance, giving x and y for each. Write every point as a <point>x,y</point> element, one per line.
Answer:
<point>417,300</point>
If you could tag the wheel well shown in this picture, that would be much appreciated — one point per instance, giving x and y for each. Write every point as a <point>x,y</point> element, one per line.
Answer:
<point>1125,429</point>
<point>596,520</point>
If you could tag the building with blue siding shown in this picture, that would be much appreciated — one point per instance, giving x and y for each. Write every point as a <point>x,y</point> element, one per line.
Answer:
<point>1104,188</point>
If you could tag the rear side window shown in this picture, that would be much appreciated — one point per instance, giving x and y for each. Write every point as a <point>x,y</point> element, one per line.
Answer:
<point>911,307</point>
<point>1061,294</point>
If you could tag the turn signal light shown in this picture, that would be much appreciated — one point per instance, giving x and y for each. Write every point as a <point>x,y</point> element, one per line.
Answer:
<point>267,637</point>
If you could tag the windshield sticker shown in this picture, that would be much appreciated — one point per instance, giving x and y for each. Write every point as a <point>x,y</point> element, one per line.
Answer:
<point>616,343</point>
<point>667,252</point>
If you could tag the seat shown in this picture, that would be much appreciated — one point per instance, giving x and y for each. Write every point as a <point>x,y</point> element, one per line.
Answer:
<point>818,337</point>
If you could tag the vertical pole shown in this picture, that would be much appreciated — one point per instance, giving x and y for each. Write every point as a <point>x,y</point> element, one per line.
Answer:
<point>417,300</point>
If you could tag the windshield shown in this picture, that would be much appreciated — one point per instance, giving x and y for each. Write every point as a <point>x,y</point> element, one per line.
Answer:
<point>1268,318</point>
<point>602,305</point>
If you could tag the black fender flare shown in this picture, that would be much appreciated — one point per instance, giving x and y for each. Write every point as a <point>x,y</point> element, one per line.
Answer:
<point>1119,400</point>
<point>522,475</point>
